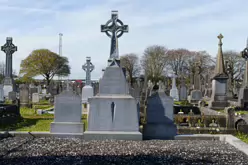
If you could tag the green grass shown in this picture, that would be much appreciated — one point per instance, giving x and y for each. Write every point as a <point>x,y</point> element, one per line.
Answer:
<point>33,122</point>
<point>242,112</point>
<point>243,137</point>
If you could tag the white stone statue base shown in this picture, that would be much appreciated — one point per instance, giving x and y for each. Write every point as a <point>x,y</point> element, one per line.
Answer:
<point>87,92</point>
<point>7,89</point>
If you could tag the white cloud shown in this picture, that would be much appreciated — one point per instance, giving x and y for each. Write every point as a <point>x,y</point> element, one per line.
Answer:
<point>193,25</point>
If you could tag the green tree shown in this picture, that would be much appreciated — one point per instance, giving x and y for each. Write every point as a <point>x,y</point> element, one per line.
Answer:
<point>45,63</point>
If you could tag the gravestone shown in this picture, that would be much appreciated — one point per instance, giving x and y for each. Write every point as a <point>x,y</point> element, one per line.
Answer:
<point>230,117</point>
<point>219,82</point>
<point>174,90</point>
<point>196,94</point>
<point>113,112</point>
<point>24,95</point>
<point>1,94</point>
<point>12,95</point>
<point>243,92</point>
<point>35,98</point>
<point>160,116</point>
<point>87,90</point>
<point>39,88</point>
<point>8,48</point>
<point>67,113</point>
<point>183,91</point>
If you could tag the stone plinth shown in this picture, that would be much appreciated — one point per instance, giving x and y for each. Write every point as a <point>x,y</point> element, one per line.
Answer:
<point>67,113</point>
<point>87,92</point>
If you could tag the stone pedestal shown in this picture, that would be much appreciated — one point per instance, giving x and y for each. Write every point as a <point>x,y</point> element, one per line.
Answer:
<point>113,112</point>
<point>87,92</point>
<point>174,94</point>
<point>219,94</point>
<point>243,98</point>
<point>195,96</point>
<point>8,86</point>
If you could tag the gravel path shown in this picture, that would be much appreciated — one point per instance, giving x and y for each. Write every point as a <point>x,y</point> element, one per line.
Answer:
<point>47,151</point>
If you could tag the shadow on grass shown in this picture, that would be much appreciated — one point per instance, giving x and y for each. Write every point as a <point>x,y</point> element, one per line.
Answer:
<point>25,122</point>
<point>105,160</point>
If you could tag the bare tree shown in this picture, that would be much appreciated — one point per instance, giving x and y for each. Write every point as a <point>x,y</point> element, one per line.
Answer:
<point>153,62</point>
<point>131,63</point>
<point>235,66</point>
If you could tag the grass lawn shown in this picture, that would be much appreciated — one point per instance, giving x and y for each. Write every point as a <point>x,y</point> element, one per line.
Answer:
<point>243,137</point>
<point>33,122</point>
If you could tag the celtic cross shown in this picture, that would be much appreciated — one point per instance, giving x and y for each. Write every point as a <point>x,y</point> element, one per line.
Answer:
<point>114,31</point>
<point>8,48</point>
<point>220,38</point>
<point>244,54</point>
<point>88,67</point>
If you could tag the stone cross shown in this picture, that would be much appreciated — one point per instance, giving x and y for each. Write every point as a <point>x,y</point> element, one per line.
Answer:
<point>88,68</point>
<point>174,76</point>
<point>9,48</point>
<point>116,32</point>
<point>244,54</point>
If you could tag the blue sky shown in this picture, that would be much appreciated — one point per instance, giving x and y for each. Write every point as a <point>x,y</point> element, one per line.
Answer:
<point>191,24</point>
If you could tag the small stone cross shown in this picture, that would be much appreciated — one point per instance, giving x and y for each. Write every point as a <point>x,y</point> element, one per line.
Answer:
<point>116,32</point>
<point>88,68</point>
<point>220,38</point>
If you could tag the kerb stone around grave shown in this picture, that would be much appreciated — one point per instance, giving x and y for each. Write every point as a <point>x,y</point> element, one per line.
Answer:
<point>67,113</point>
<point>160,116</point>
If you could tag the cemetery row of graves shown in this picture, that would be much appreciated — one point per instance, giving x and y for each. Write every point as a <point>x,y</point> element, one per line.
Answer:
<point>147,109</point>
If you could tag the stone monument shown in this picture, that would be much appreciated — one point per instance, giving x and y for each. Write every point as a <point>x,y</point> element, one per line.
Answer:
<point>8,48</point>
<point>1,94</point>
<point>87,90</point>
<point>243,92</point>
<point>113,112</point>
<point>24,95</point>
<point>174,90</point>
<point>196,94</point>
<point>219,82</point>
<point>183,91</point>
<point>160,117</point>
<point>67,113</point>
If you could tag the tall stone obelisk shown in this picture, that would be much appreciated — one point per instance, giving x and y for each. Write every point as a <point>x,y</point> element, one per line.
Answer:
<point>219,82</point>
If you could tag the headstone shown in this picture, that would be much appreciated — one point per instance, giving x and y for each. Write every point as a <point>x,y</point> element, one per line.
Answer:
<point>68,112</point>
<point>1,94</point>
<point>113,112</point>
<point>243,92</point>
<point>39,89</point>
<point>87,90</point>
<point>183,91</point>
<point>230,117</point>
<point>196,94</point>
<point>12,95</point>
<point>24,95</point>
<point>219,82</point>
<point>174,90</point>
<point>8,48</point>
<point>35,98</point>
<point>160,117</point>
<point>44,91</point>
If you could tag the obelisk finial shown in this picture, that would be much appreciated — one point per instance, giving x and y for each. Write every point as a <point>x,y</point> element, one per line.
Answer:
<point>220,69</point>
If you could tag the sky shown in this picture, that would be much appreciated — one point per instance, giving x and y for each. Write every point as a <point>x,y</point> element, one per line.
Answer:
<point>190,24</point>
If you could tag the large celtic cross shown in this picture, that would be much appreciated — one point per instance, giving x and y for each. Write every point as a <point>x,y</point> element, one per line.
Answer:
<point>88,67</point>
<point>244,54</point>
<point>114,31</point>
<point>9,48</point>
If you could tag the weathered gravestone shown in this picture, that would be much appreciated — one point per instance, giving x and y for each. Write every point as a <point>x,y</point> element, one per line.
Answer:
<point>196,94</point>
<point>183,91</point>
<point>87,90</point>
<point>12,95</point>
<point>24,95</point>
<point>230,117</point>
<point>35,98</point>
<point>160,116</point>
<point>174,90</point>
<point>113,112</point>
<point>67,113</point>
<point>1,94</point>
<point>9,48</point>
<point>243,92</point>
<point>219,82</point>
